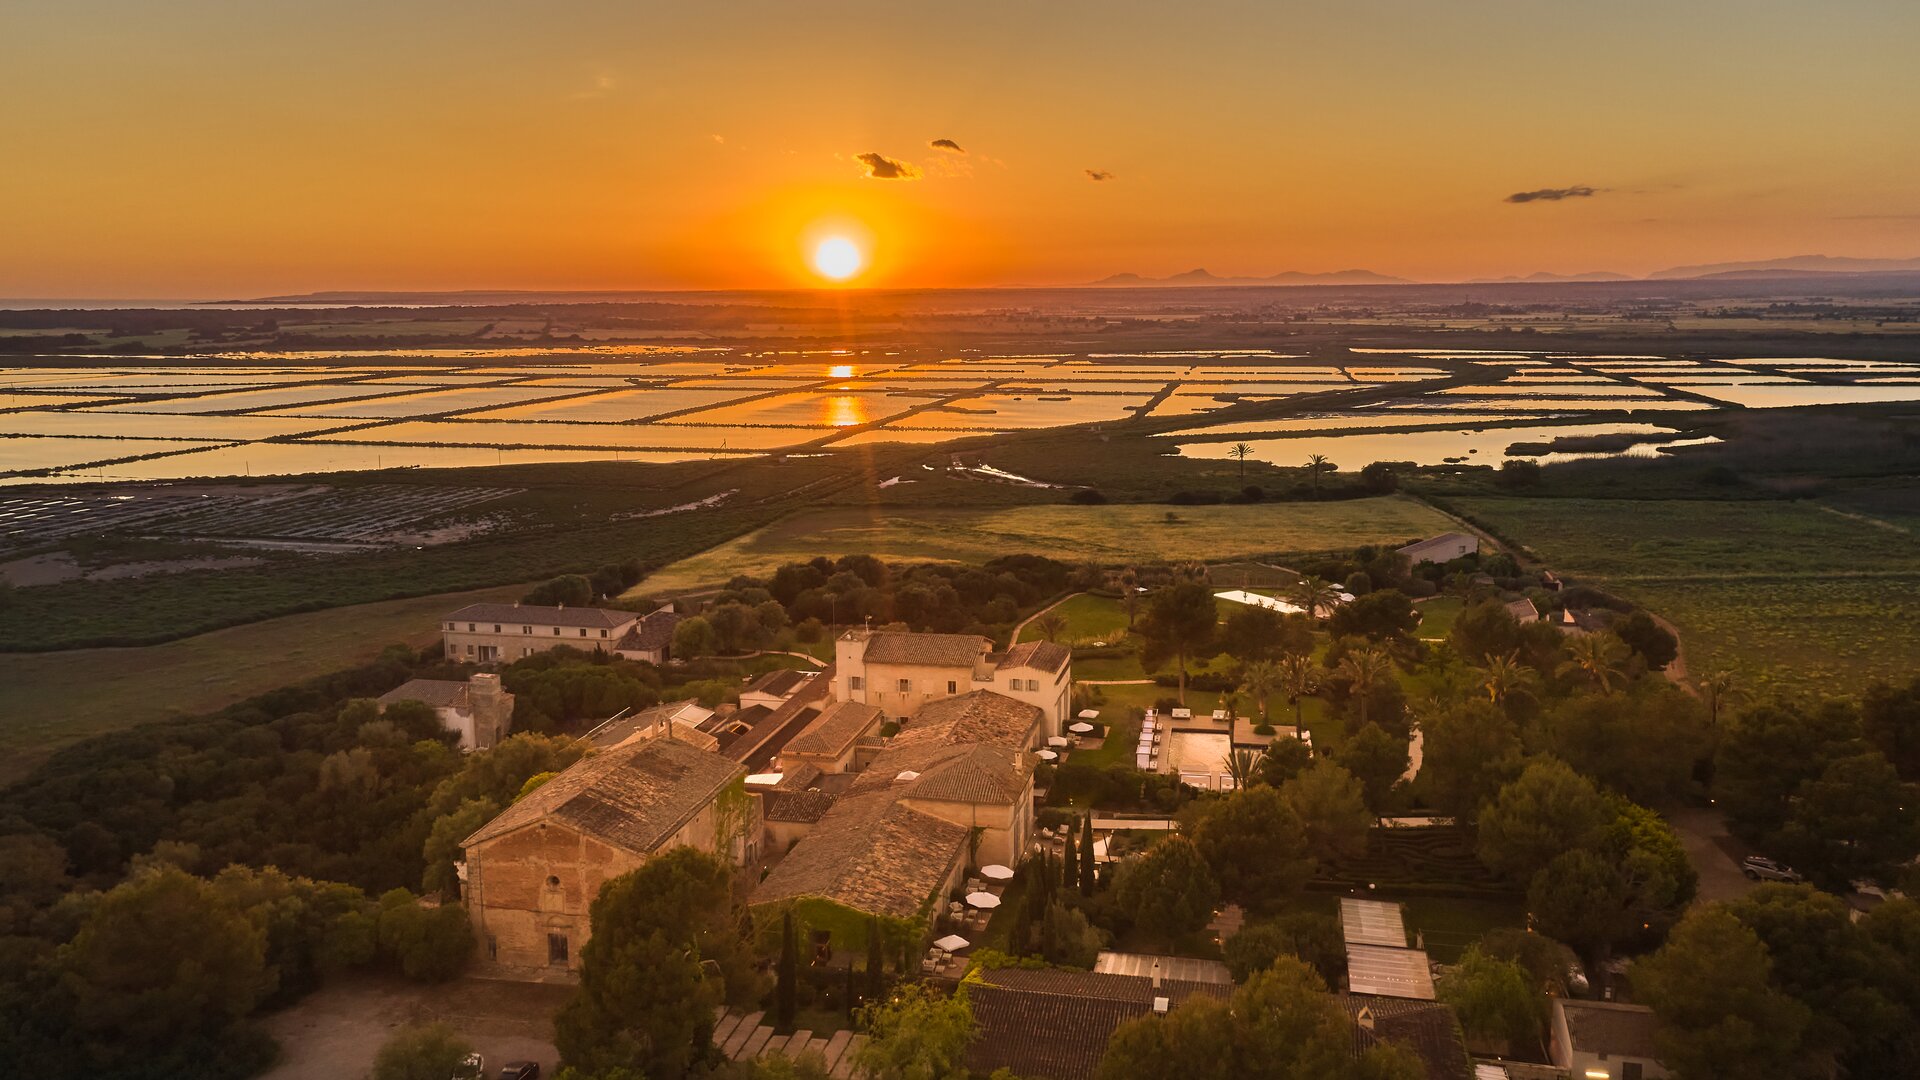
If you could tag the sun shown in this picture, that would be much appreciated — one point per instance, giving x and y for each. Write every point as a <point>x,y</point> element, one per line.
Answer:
<point>837,258</point>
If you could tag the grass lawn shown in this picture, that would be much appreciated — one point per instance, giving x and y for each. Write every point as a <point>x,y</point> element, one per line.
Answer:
<point>1785,594</point>
<point>1103,534</point>
<point>56,698</point>
<point>1089,619</point>
<point>1449,924</point>
<point>1437,615</point>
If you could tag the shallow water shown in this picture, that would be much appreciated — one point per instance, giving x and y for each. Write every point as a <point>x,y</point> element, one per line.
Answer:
<point>1484,446</point>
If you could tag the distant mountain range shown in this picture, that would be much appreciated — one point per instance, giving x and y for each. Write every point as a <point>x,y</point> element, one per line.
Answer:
<point>1793,266</point>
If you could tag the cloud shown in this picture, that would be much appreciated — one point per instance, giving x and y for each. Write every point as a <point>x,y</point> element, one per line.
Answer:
<point>946,144</point>
<point>1553,194</point>
<point>881,167</point>
<point>1099,174</point>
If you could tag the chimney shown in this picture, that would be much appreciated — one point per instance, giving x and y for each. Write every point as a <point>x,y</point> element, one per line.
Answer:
<point>1156,973</point>
<point>1160,1006</point>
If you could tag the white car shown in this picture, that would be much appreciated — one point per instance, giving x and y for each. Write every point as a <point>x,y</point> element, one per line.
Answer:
<point>1761,868</point>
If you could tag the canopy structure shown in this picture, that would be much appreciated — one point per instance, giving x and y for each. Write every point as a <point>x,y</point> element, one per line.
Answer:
<point>1089,714</point>
<point>952,942</point>
<point>1059,740</point>
<point>1046,755</point>
<point>1082,727</point>
<point>985,901</point>
<point>996,872</point>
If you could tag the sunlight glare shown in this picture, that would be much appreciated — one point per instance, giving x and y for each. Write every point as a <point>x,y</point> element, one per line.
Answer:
<point>837,258</point>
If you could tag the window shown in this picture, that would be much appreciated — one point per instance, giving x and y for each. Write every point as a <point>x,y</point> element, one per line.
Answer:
<point>493,947</point>
<point>469,648</point>
<point>556,948</point>
<point>906,685</point>
<point>952,687</point>
<point>1630,1070</point>
<point>496,628</point>
<point>854,682</point>
<point>583,632</point>
<point>603,633</point>
<point>470,628</point>
<point>526,629</point>
<point>449,626</point>
<point>556,631</point>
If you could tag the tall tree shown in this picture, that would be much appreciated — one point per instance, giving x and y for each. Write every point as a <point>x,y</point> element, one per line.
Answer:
<point>1468,753</point>
<point>1087,876</point>
<point>1240,452</point>
<point>786,982</point>
<point>1179,625</point>
<point>1363,670</point>
<point>876,960</point>
<point>1718,1016</point>
<point>1505,678</point>
<point>1378,759</point>
<point>1316,464</point>
<point>1497,1004</point>
<point>1251,842</point>
<point>1070,862</point>
<point>1258,680</point>
<point>1599,658</point>
<point>919,1034</point>
<point>1169,890</point>
<point>1332,809</point>
<point>1548,810</point>
<point>1314,595</point>
<point>1299,678</point>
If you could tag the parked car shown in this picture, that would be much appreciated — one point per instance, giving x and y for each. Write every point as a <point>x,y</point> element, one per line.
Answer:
<point>520,1070</point>
<point>1761,868</point>
<point>474,1068</point>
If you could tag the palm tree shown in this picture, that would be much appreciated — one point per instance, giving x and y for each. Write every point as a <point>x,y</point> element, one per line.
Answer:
<point>1050,624</point>
<point>1314,594</point>
<point>1363,670</point>
<point>1315,465</point>
<point>1196,572</point>
<point>1244,765</point>
<point>1130,592</point>
<point>1720,688</point>
<point>1506,677</point>
<point>1258,681</point>
<point>1601,657</point>
<point>1299,678</point>
<point>1240,452</point>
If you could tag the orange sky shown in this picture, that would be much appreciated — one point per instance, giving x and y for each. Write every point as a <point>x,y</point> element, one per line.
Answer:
<point>203,148</point>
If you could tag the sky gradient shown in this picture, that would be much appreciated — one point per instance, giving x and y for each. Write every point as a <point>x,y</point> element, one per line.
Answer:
<point>201,148</point>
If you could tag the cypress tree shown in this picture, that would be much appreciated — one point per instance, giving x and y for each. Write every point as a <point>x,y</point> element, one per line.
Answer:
<point>1086,857</point>
<point>789,973</point>
<point>1069,866</point>
<point>850,990</point>
<point>876,962</point>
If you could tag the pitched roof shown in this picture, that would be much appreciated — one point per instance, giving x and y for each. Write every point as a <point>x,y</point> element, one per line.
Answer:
<point>541,615</point>
<point>1427,1028</point>
<point>653,631</point>
<point>982,716</point>
<point>1040,655</point>
<point>1609,1027</point>
<point>1447,544</point>
<point>614,732</point>
<point>871,854</point>
<point>835,730</point>
<point>779,683</point>
<point>935,650</point>
<point>1055,1023</point>
<point>634,797</point>
<point>972,774</point>
<point>768,735</point>
<point>439,693</point>
<point>785,804</point>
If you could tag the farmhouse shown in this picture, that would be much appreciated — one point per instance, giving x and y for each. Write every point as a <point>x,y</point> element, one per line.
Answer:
<point>1441,549</point>
<point>1523,611</point>
<point>1604,1039</point>
<point>900,672</point>
<point>650,638</point>
<point>477,709</point>
<point>503,633</point>
<point>532,873</point>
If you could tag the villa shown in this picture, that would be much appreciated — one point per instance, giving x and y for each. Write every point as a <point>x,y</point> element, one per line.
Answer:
<point>1441,549</point>
<point>503,633</point>
<point>899,672</point>
<point>476,709</point>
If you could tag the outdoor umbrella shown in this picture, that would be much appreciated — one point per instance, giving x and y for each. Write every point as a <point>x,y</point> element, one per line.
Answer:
<point>986,901</point>
<point>1089,714</point>
<point>1081,728</point>
<point>1058,740</point>
<point>952,942</point>
<point>996,872</point>
<point>1046,755</point>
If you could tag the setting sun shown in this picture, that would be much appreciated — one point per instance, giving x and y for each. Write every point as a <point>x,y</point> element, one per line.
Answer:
<point>838,258</point>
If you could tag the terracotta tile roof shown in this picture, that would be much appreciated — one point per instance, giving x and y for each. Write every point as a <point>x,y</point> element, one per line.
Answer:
<point>833,732</point>
<point>1609,1027</point>
<point>982,716</point>
<point>634,797</point>
<point>540,615</point>
<point>653,631</point>
<point>439,693</point>
<point>871,854</point>
<point>769,735</point>
<point>784,804</point>
<point>1427,1028</point>
<point>935,650</point>
<point>614,732</point>
<point>974,774</point>
<point>1056,1023</point>
<point>1040,655</point>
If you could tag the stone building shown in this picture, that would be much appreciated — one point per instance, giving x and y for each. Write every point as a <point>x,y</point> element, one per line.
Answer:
<point>532,873</point>
<point>899,672</point>
<point>477,709</point>
<point>503,633</point>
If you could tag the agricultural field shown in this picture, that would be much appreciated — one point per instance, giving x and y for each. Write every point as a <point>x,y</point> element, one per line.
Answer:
<point>1101,534</point>
<point>1787,595</point>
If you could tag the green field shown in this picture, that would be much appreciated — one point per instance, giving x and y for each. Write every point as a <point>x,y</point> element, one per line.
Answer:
<point>53,699</point>
<point>1788,595</point>
<point>1089,619</point>
<point>1103,534</point>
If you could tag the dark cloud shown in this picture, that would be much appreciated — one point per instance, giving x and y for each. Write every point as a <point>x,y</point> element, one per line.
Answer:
<point>1099,174</point>
<point>946,144</point>
<point>882,167</point>
<point>1553,194</point>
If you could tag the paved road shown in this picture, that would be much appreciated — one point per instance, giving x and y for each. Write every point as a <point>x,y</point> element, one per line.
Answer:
<point>1703,832</point>
<point>334,1033</point>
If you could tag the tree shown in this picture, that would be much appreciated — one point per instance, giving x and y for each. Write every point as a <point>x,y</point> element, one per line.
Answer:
<point>1505,678</point>
<point>572,590</point>
<point>1547,810</point>
<point>1317,464</point>
<point>1332,809</point>
<point>1768,752</point>
<point>1240,452</point>
<point>1315,596</point>
<point>1070,862</point>
<point>693,638</point>
<point>1254,633</point>
<point>1600,658</point>
<point>1280,1025</point>
<point>646,996</point>
<point>1051,625</point>
<point>1718,1016</point>
<point>1299,679</point>
<point>787,979</point>
<point>421,1052</point>
<point>1644,744</point>
<point>429,944</point>
<point>1497,1004</point>
<point>1087,876</point>
<point>1179,625</point>
<point>1129,585</point>
<point>1244,766</point>
<point>1855,821</point>
<point>921,1034</point>
<point>876,960</point>
<point>1306,935</point>
<point>1067,938</point>
<point>1649,640</point>
<point>1467,754</point>
<point>1890,720</point>
<point>1258,680</point>
<point>1363,670</point>
<point>1378,759</point>
<point>1720,688</point>
<point>1485,630</point>
<point>161,976</point>
<point>1170,890</point>
<point>1251,842</point>
<point>1385,615</point>
<point>1380,478</point>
